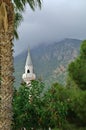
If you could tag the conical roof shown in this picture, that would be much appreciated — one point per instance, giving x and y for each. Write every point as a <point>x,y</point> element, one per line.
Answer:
<point>28,60</point>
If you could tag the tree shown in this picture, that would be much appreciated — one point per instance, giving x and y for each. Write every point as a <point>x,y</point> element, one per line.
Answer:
<point>7,17</point>
<point>55,108</point>
<point>27,106</point>
<point>37,109</point>
<point>78,107</point>
<point>77,69</point>
<point>76,85</point>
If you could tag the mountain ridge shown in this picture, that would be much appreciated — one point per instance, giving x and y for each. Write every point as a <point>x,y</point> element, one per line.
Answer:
<point>50,61</point>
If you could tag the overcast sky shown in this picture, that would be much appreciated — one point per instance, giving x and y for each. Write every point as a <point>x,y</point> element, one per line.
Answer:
<point>58,19</point>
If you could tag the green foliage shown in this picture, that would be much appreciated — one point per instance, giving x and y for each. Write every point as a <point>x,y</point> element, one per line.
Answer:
<point>20,4</point>
<point>35,109</point>
<point>77,69</point>
<point>17,21</point>
<point>76,83</point>
<point>68,126</point>
<point>27,106</point>
<point>70,83</point>
<point>83,50</point>
<point>55,107</point>
<point>77,107</point>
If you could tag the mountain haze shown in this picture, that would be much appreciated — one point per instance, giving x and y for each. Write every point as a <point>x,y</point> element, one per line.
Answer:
<point>50,61</point>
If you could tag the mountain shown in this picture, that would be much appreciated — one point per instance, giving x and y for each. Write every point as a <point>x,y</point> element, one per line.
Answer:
<point>50,61</point>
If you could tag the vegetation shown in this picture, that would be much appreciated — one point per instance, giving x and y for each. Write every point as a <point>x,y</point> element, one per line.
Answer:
<point>27,106</point>
<point>34,109</point>
<point>77,69</point>
<point>77,94</point>
<point>60,108</point>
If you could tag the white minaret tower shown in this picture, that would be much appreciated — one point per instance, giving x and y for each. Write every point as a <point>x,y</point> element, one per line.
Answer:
<point>28,75</point>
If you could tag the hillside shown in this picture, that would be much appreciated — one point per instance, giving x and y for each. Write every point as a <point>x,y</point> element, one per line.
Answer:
<point>50,60</point>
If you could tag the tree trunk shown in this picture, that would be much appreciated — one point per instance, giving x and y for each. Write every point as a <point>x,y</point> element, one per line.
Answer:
<point>6,65</point>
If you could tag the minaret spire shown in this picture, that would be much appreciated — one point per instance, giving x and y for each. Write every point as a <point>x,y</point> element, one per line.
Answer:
<point>29,74</point>
<point>28,60</point>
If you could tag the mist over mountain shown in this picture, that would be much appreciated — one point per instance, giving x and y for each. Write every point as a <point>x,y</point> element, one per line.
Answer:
<point>50,61</point>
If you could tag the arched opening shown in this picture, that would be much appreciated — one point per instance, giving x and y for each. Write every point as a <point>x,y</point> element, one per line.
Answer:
<point>28,71</point>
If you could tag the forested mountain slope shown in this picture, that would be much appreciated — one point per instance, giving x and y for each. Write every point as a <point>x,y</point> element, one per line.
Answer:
<point>50,61</point>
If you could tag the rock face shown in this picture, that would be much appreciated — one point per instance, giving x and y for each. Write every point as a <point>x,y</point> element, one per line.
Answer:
<point>50,60</point>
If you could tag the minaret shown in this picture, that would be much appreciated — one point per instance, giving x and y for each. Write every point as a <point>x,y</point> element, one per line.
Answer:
<point>28,75</point>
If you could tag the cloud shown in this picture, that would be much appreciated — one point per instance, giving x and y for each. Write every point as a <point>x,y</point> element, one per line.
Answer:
<point>58,19</point>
